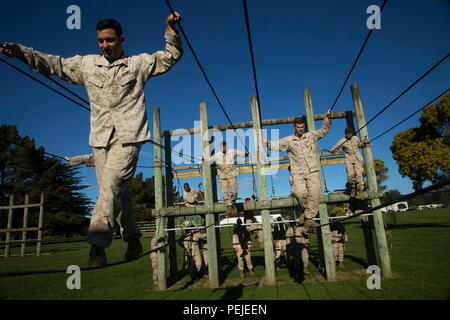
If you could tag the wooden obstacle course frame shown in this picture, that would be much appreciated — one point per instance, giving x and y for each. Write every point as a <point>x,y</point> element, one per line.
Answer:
<point>211,211</point>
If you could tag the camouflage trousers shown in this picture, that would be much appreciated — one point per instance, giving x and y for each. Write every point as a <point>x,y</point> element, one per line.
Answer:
<point>306,188</point>
<point>196,257</point>
<point>355,175</point>
<point>297,252</point>
<point>114,166</point>
<point>205,255</point>
<point>338,250</point>
<point>228,196</point>
<point>241,257</point>
<point>280,248</point>
<point>154,258</point>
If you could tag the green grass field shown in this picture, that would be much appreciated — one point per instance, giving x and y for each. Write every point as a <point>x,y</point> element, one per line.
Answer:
<point>420,259</point>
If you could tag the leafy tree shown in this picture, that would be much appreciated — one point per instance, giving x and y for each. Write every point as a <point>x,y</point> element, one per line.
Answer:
<point>25,169</point>
<point>423,153</point>
<point>391,195</point>
<point>380,172</point>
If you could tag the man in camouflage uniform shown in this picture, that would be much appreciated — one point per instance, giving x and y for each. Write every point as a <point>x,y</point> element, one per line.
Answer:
<point>338,236</point>
<point>227,174</point>
<point>242,244</point>
<point>191,196</point>
<point>304,170</point>
<point>279,238</point>
<point>191,245</point>
<point>115,85</point>
<point>201,237</point>
<point>254,228</point>
<point>350,145</point>
<point>297,243</point>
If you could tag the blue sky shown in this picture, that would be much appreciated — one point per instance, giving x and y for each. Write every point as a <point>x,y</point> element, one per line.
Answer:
<point>297,45</point>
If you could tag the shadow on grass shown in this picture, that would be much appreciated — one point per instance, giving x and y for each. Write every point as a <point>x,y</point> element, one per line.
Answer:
<point>417,225</point>
<point>359,261</point>
<point>233,293</point>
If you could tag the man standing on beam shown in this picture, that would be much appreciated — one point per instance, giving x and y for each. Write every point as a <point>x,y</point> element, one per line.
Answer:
<point>350,145</point>
<point>115,83</point>
<point>227,174</point>
<point>304,170</point>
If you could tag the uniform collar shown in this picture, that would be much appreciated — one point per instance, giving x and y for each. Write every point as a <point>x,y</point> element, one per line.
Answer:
<point>102,61</point>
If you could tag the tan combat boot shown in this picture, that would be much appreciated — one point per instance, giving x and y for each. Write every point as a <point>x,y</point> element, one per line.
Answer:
<point>242,274</point>
<point>134,250</point>
<point>309,223</point>
<point>305,271</point>
<point>301,219</point>
<point>340,264</point>
<point>251,272</point>
<point>234,209</point>
<point>229,210</point>
<point>97,257</point>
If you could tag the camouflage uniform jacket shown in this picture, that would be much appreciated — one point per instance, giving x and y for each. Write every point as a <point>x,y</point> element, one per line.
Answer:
<point>115,90</point>
<point>350,149</point>
<point>302,150</point>
<point>87,159</point>
<point>190,198</point>
<point>225,162</point>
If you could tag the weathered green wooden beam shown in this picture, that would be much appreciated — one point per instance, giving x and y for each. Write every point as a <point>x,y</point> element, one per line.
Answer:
<point>248,124</point>
<point>168,188</point>
<point>328,255</point>
<point>262,186</point>
<point>159,200</point>
<point>41,223</point>
<point>258,205</point>
<point>9,225</point>
<point>23,247</point>
<point>383,251</point>
<point>213,259</point>
<point>248,168</point>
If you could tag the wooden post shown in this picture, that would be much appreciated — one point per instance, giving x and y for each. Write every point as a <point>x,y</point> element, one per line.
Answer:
<point>159,200</point>
<point>9,226</point>
<point>330,266</point>
<point>210,219</point>
<point>169,201</point>
<point>23,247</point>
<point>41,223</point>
<point>355,205</point>
<point>383,251</point>
<point>262,186</point>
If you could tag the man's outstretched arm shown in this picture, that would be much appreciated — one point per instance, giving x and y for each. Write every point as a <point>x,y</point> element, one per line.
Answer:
<point>162,61</point>
<point>68,69</point>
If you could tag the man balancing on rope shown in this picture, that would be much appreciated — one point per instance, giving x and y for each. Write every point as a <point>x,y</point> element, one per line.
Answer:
<point>115,84</point>
<point>353,161</point>
<point>227,174</point>
<point>304,170</point>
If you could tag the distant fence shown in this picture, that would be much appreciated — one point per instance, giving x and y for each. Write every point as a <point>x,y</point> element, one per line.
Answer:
<point>147,228</point>
<point>9,229</point>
